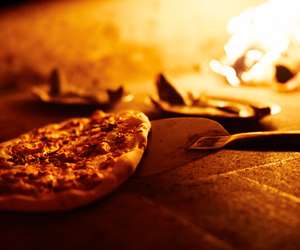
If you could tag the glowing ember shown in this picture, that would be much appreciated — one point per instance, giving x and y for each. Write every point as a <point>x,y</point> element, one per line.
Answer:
<point>264,45</point>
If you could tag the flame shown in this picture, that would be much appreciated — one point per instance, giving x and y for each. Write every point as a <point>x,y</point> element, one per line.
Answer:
<point>261,38</point>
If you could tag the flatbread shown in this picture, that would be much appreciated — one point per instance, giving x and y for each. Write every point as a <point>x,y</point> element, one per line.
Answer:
<point>73,163</point>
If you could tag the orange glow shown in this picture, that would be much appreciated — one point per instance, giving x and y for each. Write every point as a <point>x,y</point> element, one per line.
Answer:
<point>261,38</point>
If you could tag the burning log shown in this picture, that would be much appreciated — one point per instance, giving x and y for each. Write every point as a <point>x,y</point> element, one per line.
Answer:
<point>264,47</point>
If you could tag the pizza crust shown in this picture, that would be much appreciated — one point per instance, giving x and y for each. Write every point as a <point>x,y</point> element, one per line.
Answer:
<point>123,167</point>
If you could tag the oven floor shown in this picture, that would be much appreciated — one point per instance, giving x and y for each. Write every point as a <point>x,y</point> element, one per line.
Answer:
<point>229,199</point>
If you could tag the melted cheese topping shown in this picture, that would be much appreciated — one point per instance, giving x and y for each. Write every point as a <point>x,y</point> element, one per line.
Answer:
<point>75,154</point>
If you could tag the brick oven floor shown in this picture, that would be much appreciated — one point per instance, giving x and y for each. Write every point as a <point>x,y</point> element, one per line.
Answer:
<point>229,199</point>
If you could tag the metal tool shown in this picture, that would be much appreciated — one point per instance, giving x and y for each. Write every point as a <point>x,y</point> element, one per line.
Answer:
<point>220,141</point>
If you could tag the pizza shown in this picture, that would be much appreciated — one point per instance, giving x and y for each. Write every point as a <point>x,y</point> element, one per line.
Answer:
<point>57,90</point>
<point>66,165</point>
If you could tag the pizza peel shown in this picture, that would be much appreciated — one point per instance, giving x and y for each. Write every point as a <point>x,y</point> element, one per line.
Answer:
<point>169,141</point>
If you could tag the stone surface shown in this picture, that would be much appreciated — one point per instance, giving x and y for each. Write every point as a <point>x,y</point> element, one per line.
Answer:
<point>229,199</point>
